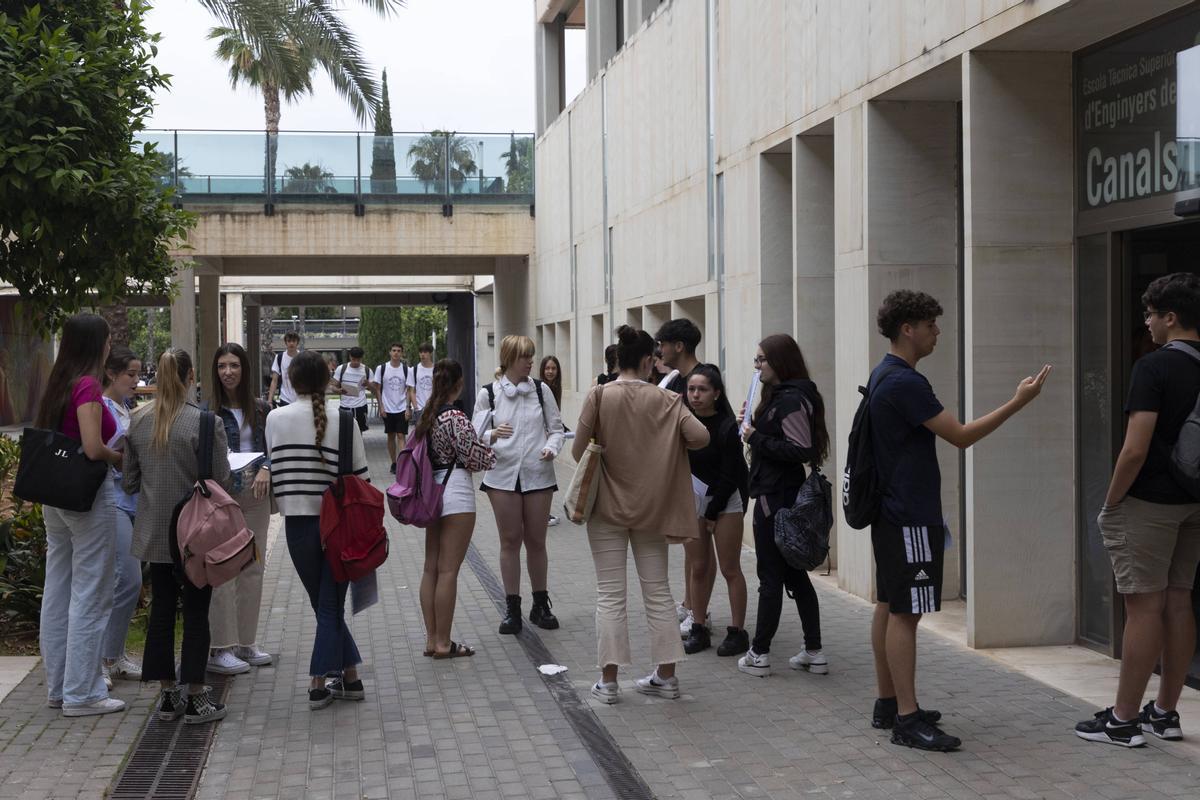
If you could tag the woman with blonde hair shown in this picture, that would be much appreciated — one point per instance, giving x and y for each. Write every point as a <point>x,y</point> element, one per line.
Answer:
<point>644,501</point>
<point>160,462</point>
<point>519,418</point>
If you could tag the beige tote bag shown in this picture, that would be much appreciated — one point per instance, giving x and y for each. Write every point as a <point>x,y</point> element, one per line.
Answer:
<point>581,493</point>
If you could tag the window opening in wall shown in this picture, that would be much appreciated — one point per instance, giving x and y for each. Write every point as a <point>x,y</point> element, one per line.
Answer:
<point>633,317</point>
<point>653,316</point>
<point>574,62</point>
<point>599,342</point>
<point>693,308</point>
<point>562,351</point>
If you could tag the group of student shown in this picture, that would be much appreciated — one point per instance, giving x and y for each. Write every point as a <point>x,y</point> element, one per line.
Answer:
<point>674,472</point>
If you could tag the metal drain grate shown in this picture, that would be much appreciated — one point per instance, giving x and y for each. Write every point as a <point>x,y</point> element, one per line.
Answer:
<point>622,776</point>
<point>167,760</point>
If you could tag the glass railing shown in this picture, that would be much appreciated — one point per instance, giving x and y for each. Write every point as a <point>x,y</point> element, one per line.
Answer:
<point>312,167</point>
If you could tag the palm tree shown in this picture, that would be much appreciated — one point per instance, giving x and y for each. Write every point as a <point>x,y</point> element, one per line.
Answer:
<point>427,158</point>
<point>308,179</point>
<point>518,165</point>
<point>276,45</point>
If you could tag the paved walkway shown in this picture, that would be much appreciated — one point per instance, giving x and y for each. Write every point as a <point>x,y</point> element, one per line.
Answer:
<point>493,727</point>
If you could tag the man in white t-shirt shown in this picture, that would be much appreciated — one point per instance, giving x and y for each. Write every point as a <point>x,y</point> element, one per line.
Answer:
<point>390,384</point>
<point>420,380</point>
<point>279,372</point>
<point>351,381</point>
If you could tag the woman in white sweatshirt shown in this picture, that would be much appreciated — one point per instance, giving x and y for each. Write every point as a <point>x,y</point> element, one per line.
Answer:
<point>519,418</point>
<point>302,449</point>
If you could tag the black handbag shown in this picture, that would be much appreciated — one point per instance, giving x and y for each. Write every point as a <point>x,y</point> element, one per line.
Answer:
<point>802,531</point>
<point>55,472</point>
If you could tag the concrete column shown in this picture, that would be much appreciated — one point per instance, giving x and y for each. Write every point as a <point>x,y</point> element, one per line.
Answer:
<point>1018,284</point>
<point>210,328</point>
<point>550,73</point>
<point>812,265</point>
<point>460,335</point>
<point>234,317</point>
<point>254,346</point>
<point>637,12</point>
<point>895,226</point>
<point>183,310</point>
<point>600,24</point>
<point>511,297</point>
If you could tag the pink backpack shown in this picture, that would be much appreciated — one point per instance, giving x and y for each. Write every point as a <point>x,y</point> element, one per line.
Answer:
<point>416,498</point>
<point>209,537</point>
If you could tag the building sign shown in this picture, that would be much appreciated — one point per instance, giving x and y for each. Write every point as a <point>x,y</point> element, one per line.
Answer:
<point>1125,103</point>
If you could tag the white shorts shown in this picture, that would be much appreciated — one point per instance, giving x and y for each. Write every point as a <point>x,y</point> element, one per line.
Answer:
<point>734,506</point>
<point>459,497</point>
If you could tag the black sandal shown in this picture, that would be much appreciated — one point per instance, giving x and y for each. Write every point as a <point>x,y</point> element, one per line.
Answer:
<point>456,651</point>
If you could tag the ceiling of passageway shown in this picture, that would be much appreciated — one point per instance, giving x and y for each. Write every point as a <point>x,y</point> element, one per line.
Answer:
<point>244,266</point>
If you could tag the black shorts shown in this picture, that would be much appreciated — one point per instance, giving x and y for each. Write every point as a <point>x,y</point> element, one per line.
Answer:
<point>483,487</point>
<point>908,566</point>
<point>396,422</point>
<point>360,414</point>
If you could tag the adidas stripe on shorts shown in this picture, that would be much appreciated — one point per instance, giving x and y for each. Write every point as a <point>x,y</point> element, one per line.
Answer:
<point>908,566</point>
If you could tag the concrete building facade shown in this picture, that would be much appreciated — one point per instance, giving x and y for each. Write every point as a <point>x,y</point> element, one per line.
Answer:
<point>782,165</point>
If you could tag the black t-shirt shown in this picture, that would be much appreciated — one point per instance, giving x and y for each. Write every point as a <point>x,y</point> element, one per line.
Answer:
<point>1167,383</point>
<point>678,384</point>
<point>905,450</point>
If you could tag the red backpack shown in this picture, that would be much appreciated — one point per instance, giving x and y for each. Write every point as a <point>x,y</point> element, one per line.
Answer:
<point>352,530</point>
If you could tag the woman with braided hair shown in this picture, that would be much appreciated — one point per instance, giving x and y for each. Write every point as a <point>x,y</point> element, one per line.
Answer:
<point>302,448</point>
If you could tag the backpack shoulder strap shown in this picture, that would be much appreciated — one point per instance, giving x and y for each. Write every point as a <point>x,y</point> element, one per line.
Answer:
<point>345,443</point>
<point>204,453</point>
<point>279,363</point>
<point>341,373</point>
<point>491,395</point>
<point>1183,348</point>
<point>537,384</point>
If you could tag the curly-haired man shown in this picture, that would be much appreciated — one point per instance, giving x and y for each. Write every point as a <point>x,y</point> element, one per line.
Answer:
<point>910,535</point>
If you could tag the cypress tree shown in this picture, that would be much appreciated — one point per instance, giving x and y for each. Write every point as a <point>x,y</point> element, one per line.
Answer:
<point>383,146</point>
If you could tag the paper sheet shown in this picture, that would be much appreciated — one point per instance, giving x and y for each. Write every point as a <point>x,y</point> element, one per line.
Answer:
<point>239,461</point>
<point>672,375</point>
<point>754,381</point>
<point>551,669</point>
<point>700,494</point>
<point>352,389</point>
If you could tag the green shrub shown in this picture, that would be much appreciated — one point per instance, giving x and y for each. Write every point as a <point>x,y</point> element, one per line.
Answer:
<point>22,550</point>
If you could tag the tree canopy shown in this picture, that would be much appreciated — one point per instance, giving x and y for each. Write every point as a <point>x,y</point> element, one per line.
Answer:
<point>83,217</point>
<point>409,325</point>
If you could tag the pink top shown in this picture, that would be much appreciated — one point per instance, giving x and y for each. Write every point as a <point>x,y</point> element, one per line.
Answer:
<point>87,390</point>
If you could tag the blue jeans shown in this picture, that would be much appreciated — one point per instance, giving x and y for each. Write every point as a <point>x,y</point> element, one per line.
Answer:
<point>333,648</point>
<point>128,589</point>
<point>77,598</point>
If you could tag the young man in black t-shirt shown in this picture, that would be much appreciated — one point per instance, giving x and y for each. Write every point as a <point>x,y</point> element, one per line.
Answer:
<point>910,535</point>
<point>1151,525</point>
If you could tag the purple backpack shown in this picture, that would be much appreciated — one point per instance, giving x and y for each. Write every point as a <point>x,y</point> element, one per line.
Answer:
<point>416,498</point>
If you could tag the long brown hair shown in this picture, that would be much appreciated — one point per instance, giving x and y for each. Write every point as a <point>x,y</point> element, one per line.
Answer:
<point>309,375</point>
<point>556,384</point>
<point>787,362</point>
<point>447,375</point>
<point>80,353</point>
<point>174,366</point>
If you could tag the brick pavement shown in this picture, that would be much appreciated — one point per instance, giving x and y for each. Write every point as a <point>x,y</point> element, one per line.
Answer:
<point>489,727</point>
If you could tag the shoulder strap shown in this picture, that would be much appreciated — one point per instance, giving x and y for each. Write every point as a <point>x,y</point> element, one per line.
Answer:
<point>381,371</point>
<point>596,427</point>
<point>491,396</point>
<point>341,373</point>
<point>1183,348</point>
<point>345,443</point>
<point>537,384</point>
<point>204,453</point>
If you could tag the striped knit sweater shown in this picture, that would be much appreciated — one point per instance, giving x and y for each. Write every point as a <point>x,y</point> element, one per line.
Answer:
<point>298,477</point>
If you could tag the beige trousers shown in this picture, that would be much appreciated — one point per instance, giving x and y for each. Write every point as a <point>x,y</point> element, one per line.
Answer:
<point>233,614</point>
<point>610,547</point>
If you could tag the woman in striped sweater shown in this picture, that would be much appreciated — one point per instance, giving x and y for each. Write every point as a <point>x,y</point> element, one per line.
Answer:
<point>302,449</point>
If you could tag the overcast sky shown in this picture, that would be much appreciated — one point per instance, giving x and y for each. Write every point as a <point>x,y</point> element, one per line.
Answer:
<point>464,65</point>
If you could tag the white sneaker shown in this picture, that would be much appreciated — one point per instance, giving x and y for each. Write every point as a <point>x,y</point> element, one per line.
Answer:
<point>125,668</point>
<point>224,662</point>
<point>682,612</point>
<point>754,664</point>
<point>685,627</point>
<point>607,693</point>
<point>108,684</point>
<point>656,686</point>
<point>552,521</point>
<point>253,656</point>
<point>812,660</point>
<point>106,706</point>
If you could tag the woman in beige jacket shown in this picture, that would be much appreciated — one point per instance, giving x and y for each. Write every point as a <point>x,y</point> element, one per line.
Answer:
<point>644,501</point>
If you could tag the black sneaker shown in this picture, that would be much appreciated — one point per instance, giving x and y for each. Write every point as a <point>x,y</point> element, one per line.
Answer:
<point>319,698</point>
<point>392,468</point>
<point>884,715</point>
<point>341,690</point>
<point>699,639</point>
<point>737,641</point>
<point>1164,726</point>
<point>1104,727</point>
<point>915,731</point>
<point>170,704</point>
<point>201,708</point>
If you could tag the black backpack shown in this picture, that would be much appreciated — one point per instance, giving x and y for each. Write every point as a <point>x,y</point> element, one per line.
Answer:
<point>1185,455</point>
<point>862,492</point>
<point>802,530</point>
